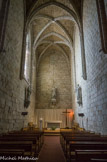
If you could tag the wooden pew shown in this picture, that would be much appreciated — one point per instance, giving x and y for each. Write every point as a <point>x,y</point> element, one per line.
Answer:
<point>84,145</point>
<point>12,152</point>
<point>98,160</point>
<point>67,139</point>
<point>86,155</point>
<point>27,146</point>
<point>38,135</point>
<point>85,138</point>
<point>76,136</point>
<point>21,143</point>
<point>24,138</point>
<point>35,138</point>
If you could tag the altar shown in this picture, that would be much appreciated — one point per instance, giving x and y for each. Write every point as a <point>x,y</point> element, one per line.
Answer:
<point>53,124</point>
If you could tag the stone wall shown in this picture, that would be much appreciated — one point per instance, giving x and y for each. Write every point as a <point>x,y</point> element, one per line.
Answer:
<point>12,89</point>
<point>94,89</point>
<point>54,67</point>
<point>53,71</point>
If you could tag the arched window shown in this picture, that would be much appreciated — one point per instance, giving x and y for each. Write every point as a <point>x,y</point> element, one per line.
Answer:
<point>4,7</point>
<point>27,63</point>
<point>102,23</point>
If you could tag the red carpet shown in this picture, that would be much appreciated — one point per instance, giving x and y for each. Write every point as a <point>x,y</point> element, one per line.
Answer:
<point>51,150</point>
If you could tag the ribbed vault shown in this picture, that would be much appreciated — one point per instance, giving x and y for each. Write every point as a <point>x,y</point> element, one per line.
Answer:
<point>53,24</point>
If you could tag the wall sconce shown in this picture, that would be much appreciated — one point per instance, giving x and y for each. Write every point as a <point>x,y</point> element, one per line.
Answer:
<point>24,113</point>
<point>81,114</point>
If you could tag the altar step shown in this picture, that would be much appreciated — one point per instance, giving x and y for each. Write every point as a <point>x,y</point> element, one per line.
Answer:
<point>51,132</point>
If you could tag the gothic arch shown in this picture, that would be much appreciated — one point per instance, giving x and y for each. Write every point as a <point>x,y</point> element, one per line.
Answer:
<point>52,21</point>
<point>58,4</point>
<point>52,33</point>
<point>63,52</point>
<point>77,21</point>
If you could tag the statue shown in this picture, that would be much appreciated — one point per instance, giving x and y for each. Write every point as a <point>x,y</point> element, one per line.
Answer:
<point>54,92</point>
<point>27,97</point>
<point>79,95</point>
<point>53,99</point>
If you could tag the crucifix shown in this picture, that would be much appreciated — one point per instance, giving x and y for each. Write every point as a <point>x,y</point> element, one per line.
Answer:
<point>66,116</point>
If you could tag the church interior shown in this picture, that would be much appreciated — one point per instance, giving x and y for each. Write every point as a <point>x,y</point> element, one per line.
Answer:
<point>53,69</point>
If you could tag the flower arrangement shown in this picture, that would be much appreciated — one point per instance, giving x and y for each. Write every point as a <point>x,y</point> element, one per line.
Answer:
<point>53,128</point>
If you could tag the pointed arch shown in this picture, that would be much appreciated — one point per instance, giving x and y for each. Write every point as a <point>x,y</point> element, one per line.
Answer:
<point>63,52</point>
<point>52,21</point>
<point>77,21</point>
<point>50,34</point>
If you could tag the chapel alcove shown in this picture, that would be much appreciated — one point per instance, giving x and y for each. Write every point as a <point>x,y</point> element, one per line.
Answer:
<point>53,71</point>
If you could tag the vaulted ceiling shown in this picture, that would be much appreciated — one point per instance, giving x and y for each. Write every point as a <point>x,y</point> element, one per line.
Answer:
<point>76,3</point>
<point>53,23</point>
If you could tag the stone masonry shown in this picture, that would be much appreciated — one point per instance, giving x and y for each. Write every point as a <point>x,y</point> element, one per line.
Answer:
<point>12,89</point>
<point>94,89</point>
<point>56,62</point>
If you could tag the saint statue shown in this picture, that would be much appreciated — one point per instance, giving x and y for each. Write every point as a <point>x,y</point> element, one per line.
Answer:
<point>27,96</point>
<point>79,95</point>
<point>54,92</point>
<point>28,93</point>
<point>53,99</point>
